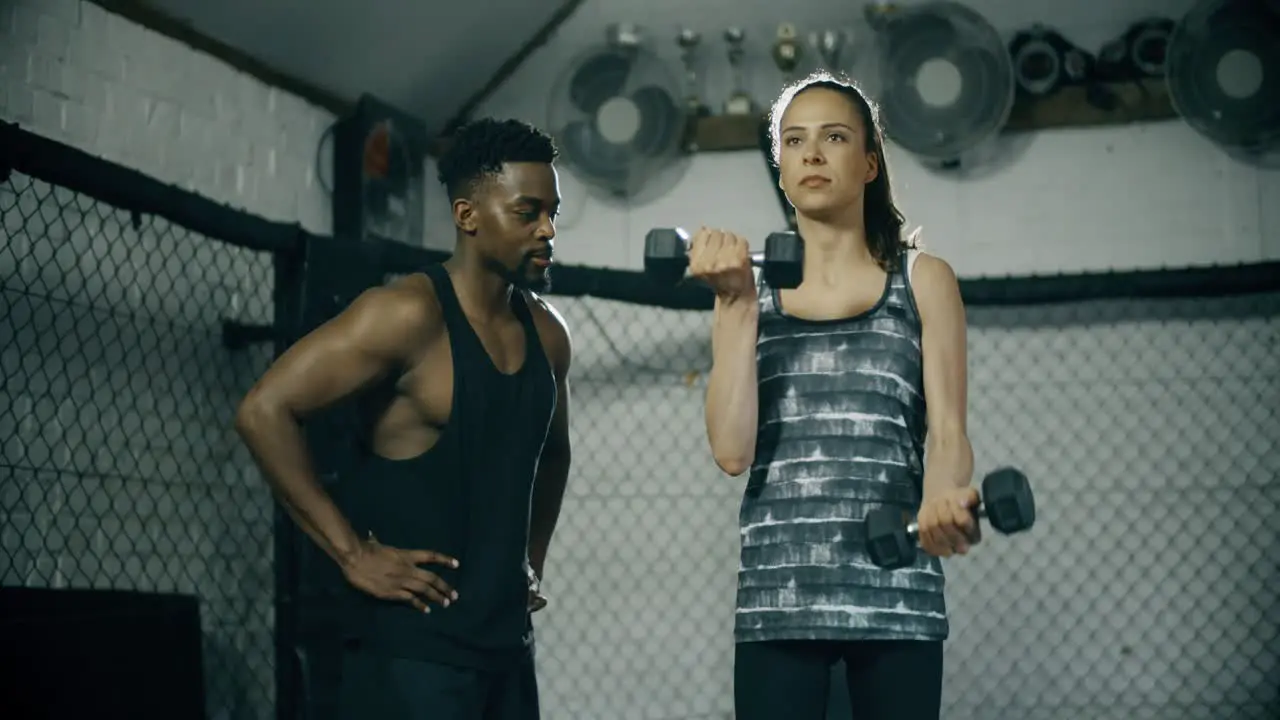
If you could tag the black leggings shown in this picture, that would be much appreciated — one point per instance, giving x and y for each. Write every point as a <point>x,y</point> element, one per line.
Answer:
<point>791,680</point>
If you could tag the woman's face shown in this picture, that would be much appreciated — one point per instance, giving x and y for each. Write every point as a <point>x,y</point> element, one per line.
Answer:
<point>822,157</point>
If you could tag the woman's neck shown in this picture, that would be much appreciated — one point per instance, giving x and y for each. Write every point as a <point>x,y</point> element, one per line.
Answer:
<point>833,251</point>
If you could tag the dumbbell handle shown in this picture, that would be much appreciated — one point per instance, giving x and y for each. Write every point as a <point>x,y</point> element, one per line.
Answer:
<point>757,260</point>
<point>757,256</point>
<point>913,528</point>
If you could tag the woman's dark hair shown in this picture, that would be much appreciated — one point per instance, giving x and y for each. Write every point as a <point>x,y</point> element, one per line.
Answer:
<point>883,220</point>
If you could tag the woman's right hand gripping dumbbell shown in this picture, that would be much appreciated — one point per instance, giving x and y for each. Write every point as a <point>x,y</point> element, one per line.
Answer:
<point>723,261</point>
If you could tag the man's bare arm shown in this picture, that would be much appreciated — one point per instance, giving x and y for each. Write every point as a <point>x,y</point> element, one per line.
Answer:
<point>371,337</point>
<point>950,454</point>
<point>553,467</point>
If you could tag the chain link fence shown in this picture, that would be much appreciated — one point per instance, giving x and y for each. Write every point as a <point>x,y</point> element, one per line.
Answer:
<point>1150,431</point>
<point>120,469</point>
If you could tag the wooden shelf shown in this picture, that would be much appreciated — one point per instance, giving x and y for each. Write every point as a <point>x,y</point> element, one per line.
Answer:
<point>1135,102</point>
<point>1140,101</point>
<point>727,133</point>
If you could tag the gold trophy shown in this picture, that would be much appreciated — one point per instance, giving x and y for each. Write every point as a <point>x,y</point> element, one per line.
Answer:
<point>787,51</point>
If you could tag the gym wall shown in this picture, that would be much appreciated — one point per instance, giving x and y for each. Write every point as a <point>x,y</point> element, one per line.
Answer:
<point>75,73</point>
<point>140,379</point>
<point>1124,415</point>
<point>1147,196</point>
<point>1120,413</point>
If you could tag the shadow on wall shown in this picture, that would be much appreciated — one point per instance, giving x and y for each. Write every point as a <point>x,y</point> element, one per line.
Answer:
<point>989,159</point>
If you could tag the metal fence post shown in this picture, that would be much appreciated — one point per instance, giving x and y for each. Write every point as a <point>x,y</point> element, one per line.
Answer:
<point>326,276</point>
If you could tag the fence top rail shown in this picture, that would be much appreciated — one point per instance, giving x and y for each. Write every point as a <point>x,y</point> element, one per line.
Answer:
<point>74,169</point>
<point>128,189</point>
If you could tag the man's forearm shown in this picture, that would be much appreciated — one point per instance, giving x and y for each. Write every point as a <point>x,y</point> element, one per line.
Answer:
<point>948,462</point>
<point>548,496</point>
<point>278,445</point>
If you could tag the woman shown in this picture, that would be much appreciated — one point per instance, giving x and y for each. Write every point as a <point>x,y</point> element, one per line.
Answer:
<point>825,392</point>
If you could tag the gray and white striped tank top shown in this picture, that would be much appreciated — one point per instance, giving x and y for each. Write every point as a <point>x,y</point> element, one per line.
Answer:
<point>841,431</point>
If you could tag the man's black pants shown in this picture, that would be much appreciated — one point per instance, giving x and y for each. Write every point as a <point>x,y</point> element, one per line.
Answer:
<point>377,687</point>
<point>791,680</point>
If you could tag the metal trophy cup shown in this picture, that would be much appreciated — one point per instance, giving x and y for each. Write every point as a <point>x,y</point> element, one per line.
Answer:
<point>787,51</point>
<point>694,107</point>
<point>739,102</point>
<point>829,44</point>
<point>688,40</point>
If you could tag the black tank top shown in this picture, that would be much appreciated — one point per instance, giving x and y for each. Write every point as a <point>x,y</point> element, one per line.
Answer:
<point>468,497</point>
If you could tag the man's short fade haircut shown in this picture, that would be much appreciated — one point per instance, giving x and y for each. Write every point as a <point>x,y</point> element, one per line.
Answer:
<point>480,148</point>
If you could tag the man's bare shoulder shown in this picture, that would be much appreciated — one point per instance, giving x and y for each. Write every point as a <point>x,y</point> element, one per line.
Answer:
<point>552,328</point>
<point>406,306</point>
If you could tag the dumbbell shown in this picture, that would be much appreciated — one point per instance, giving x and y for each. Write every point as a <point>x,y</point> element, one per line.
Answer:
<point>666,257</point>
<point>1007,503</point>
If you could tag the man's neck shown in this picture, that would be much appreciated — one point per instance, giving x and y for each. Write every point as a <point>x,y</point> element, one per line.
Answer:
<point>833,250</point>
<point>483,294</point>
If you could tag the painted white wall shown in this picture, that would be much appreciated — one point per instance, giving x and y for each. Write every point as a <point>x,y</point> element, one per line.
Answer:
<point>1128,424</point>
<point>1146,196</point>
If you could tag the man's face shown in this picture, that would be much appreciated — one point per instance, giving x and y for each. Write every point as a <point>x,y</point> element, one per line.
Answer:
<point>514,223</point>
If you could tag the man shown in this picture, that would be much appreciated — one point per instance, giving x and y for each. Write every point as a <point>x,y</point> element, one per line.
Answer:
<point>824,393</point>
<point>443,533</point>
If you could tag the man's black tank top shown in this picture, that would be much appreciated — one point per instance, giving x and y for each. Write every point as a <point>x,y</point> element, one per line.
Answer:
<point>468,497</point>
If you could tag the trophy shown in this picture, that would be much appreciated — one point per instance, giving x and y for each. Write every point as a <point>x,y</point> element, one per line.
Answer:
<point>694,108</point>
<point>879,14</point>
<point>688,41</point>
<point>786,51</point>
<point>828,43</point>
<point>739,102</point>
<point>623,35</point>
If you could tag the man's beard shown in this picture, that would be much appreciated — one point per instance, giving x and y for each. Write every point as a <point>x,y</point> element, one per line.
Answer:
<point>521,277</point>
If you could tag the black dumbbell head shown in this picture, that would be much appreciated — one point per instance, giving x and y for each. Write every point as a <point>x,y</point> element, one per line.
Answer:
<point>666,255</point>
<point>783,260</point>
<point>888,543</point>
<point>1007,501</point>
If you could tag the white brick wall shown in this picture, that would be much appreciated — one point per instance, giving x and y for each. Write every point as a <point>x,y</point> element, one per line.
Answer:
<point>76,73</point>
